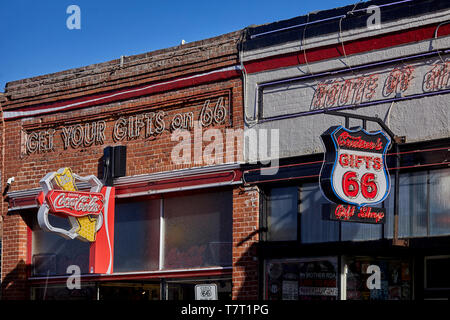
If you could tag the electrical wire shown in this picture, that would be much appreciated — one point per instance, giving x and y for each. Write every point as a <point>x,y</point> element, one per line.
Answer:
<point>316,175</point>
<point>435,38</point>
<point>388,115</point>
<point>250,122</point>
<point>321,161</point>
<point>304,47</point>
<point>340,35</point>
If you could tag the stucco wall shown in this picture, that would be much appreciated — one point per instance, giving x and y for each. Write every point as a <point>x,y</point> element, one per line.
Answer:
<point>418,119</point>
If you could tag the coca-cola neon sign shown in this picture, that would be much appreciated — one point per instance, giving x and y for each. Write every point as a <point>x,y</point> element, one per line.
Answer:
<point>60,197</point>
<point>75,203</point>
<point>354,174</point>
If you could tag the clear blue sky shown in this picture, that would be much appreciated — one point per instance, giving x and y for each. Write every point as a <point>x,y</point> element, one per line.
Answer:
<point>35,39</point>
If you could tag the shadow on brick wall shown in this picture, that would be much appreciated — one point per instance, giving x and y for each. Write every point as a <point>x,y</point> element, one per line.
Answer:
<point>13,286</point>
<point>249,265</point>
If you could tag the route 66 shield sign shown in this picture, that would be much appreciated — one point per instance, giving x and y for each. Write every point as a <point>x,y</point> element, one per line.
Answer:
<point>206,291</point>
<point>354,171</point>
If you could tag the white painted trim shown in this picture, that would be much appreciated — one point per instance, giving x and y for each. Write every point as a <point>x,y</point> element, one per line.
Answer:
<point>128,180</point>
<point>135,273</point>
<point>13,114</point>
<point>33,206</point>
<point>201,186</point>
<point>162,228</point>
<point>174,174</point>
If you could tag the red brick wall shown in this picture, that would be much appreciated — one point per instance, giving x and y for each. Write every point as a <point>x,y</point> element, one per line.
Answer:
<point>14,257</point>
<point>155,66</point>
<point>245,237</point>
<point>144,155</point>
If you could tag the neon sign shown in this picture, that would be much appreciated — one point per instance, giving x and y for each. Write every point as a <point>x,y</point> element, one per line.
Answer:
<point>354,174</point>
<point>61,197</point>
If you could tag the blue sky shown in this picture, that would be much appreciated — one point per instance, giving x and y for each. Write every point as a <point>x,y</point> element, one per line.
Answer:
<point>35,39</point>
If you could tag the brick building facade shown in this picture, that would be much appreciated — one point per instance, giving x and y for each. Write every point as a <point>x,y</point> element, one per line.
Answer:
<point>193,207</point>
<point>67,119</point>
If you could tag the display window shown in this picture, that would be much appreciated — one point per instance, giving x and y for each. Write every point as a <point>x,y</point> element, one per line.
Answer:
<point>302,279</point>
<point>137,235</point>
<point>393,281</point>
<point>179,231</point>
<point>322,278</point>
<point>197,230</point>
<point>153,236</point>
<point>424,203</point>
<point>53,254</point>
<point>282,214</point>
<point>175,232</point>
<point>424,208</point>
<point>87,291</point>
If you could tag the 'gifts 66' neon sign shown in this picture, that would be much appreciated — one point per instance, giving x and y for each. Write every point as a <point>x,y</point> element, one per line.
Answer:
<point>354,171</point>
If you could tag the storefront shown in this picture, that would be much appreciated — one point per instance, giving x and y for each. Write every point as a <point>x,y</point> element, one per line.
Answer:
<point>172,137</point>
<point>161,250</point>
<point>329,69</point>
<point>329,259</point>
<point>122,188</point>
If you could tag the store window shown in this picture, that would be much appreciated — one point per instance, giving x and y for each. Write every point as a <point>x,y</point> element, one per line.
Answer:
<point>413,204</point>
<point>282,212</point>
<point>302,279</point>
<point>439,202</point>
<point>196,233</point>
<point>177,232</point>
<point>136,235</point>
<point>198,230</point>
<point>424,210</point>
<point>313,227</point>
<point>394,279</point>
<point>285,206</point>
<point>424,205</point>
<point>53,254</point>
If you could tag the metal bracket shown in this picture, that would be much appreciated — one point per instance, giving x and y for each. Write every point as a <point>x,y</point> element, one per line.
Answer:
<point>400,242</point>
<point>365,119</point>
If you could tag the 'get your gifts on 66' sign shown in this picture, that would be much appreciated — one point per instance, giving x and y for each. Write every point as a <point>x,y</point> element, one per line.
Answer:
<point>354,174</point>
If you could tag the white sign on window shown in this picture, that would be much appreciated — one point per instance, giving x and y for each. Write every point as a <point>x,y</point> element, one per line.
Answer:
<point>206,291</point>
